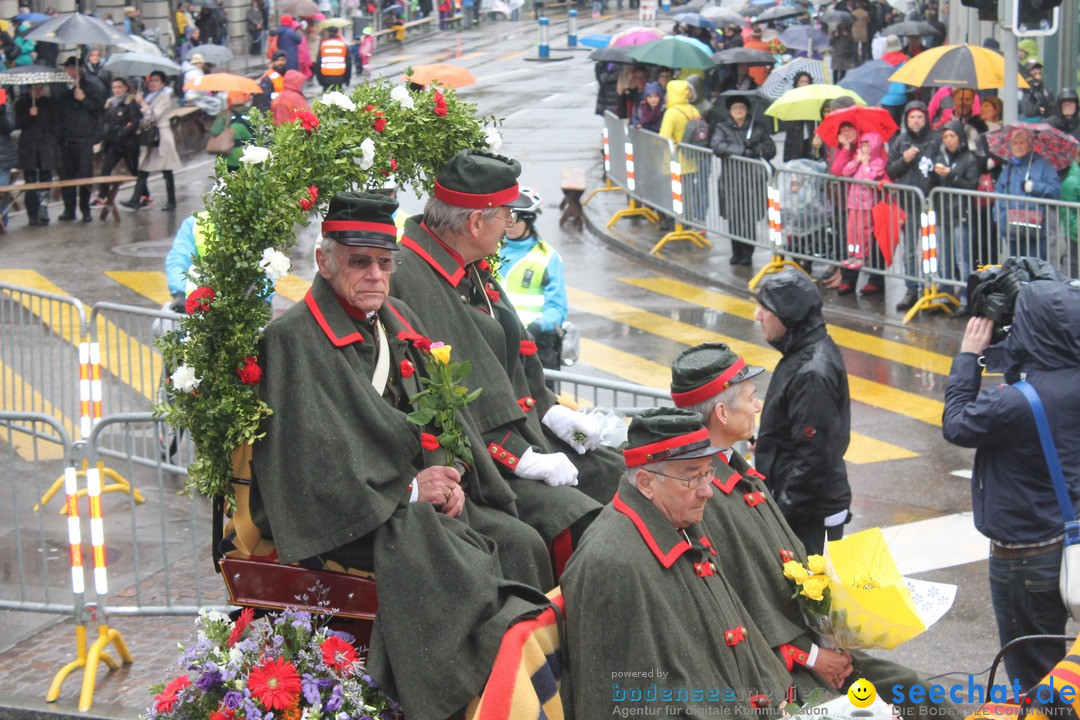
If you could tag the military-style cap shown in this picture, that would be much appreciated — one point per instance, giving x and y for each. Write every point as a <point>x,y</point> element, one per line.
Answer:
<point>705,371</point>
<point>362,219</point>
<point>659,434</point>
<point>479,180</point>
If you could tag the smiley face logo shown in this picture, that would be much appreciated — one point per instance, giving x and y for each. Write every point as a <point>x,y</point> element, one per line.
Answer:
<point>862,693</point>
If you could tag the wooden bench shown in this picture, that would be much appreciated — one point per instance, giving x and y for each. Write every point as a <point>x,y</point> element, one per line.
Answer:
<point>572,182</point>
<point>110,197</point>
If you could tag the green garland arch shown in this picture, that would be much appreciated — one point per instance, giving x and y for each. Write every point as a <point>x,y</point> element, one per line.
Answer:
<point>343,142</point>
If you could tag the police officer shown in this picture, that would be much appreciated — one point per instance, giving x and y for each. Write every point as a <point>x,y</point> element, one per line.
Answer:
<point>531,271</point>
<point>334,63</point>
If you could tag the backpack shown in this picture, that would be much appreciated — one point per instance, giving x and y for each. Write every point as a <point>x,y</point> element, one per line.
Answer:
<point>696,132</point>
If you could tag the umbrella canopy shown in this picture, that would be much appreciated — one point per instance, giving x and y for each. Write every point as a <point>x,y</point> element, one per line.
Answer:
<point>77,29</point>
<point>138,44</point>
<point>782,78</point>
<point>224,82</point>
<point>138,65</point>
<point>910,27</point>
<point>33,75</point>
<point>32,17</point>
<point>865,119</point>
<point>695,20</point>
<point>299,8</point>
<point>673,53</point>
<point>805,103</point>
<point>333,22</point>
<point>736,56</point>
<point>595,40</point>
<point>965,66</point>
<point>448,75</point>
<point>215,54</point>
<point>612,54</point>
<point>836,17</point>
<point>804,37</point>
<point>870,80</point>
<point>695,42</point>
<point>778,13</point>
<point>636,36</point>
<point>724,16</point>
<point>1054,146</point>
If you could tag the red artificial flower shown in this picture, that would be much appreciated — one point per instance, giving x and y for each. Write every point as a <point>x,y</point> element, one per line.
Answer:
<point>422,343</point>
<point>407,369</point>
<point>308,120</point>
<point>275,684</point>
<point>440,104</point>
<point>338,654</point>
<point>379,124</point>
<point>369,108</point>
<point>492,293</point>
<point>313,197</point>
<point>166,701</point>
<point>429,441</point>
<point>226,714</point>
<point>250,373</point>
<point>245,618</point>
<point>393,164</point>
<point>199,299</point>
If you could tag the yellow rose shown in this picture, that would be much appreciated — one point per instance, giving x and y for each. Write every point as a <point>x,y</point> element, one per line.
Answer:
<point>794,570</point>
<point>440,353</point>
<point>816,564</point>
<point>814,587</point>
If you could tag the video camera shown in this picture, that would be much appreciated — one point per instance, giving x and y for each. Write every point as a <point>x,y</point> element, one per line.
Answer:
<point>992,290</point>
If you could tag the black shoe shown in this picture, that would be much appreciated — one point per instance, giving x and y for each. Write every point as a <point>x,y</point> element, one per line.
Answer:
<point>87,218</point>
<point>67,217</point>
<point>130,204</point>
<point>910,298</point>
<point>961,312</point>
<point>735,260</point>
<point>169,207</point>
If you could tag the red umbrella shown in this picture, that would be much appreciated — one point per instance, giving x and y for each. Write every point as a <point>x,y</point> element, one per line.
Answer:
<point>1052,145</point>
<point>865,119</point>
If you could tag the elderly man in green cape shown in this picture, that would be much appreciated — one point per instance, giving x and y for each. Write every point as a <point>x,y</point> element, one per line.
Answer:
<point>341,478</point>
<point>653,626</point>
<point>751,534</point>
<point>544,449</point>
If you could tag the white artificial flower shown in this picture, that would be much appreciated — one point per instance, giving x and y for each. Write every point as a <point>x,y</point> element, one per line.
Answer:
<point>216,616</point>
<point>339,99</point>
<point>184,379</point>
<point>403,97</point>
<point>236,655</point>
<point>368,148</point>
<point>493,139</point>
<point>275,264</point>
<point>255,154</point>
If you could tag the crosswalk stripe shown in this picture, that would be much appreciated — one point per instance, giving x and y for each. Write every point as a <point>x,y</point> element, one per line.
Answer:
<point>936,543</point>
<point>17,393</point>
<point>862,449</point>
<point>889,349</point>
<point>151,285</point>
<point>866,391</point>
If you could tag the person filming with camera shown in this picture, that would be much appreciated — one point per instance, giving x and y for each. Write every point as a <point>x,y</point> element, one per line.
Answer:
<point>1013,495</point>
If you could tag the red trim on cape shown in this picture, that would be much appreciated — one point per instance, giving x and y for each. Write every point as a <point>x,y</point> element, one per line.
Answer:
<point>475,201</point>
<point>668,559</point>
<point>710,389</point>
<point>454,279</point>
<point>645,453</point>
<point>317,313</point>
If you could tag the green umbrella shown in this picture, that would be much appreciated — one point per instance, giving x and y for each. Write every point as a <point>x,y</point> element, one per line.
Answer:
<point>672,53</point>
<point>804,103</point>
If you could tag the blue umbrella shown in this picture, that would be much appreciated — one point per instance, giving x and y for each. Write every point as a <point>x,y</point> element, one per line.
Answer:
<point>804,37</point>
<point>596,40</point>
<point>31,17</point>
<point>870,80</point>
<point>696,20</point>
<point>695,42</point>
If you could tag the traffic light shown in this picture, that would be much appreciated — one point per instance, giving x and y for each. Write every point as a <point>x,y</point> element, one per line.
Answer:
<point>1035,17</point>
<point>988,9</point>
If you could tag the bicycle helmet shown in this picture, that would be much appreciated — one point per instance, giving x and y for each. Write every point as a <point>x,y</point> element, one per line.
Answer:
<point>528,214</point>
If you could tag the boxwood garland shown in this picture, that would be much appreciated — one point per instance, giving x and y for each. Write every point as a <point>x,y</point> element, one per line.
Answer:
<point>343,142</point>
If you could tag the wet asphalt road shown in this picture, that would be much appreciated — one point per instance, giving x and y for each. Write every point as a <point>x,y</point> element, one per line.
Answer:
<point>634,318</point>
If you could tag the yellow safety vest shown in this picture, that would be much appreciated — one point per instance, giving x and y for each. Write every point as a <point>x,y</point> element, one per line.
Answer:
<point>526,289</point>
<point>204,233</point>
<point>332,54</point>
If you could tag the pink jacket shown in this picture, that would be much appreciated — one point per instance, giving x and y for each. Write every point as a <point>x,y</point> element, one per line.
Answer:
<point>863,197</point>
<point>946,114</point>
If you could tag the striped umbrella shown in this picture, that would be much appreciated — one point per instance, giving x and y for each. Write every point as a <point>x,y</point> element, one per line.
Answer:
<point>963,66</point>
<point>782,78</point>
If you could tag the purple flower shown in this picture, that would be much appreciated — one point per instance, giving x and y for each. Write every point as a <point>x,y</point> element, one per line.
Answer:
<point>337,697</point>
<point>210,678</point>
<point>310,688</point>
<point>233,700</point>
<point>343,635</point>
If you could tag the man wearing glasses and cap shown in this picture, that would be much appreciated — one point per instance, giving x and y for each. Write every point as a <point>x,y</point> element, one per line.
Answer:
<point>341,481</point>
<point>750,533</point>
<point>543,449</point>
<point>652,622</point>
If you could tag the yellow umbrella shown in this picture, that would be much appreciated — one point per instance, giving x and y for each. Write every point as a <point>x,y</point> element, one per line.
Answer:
<point>957,66</point>
<point>333,22</point>
<point>5,25</point>
<point>804,103</point>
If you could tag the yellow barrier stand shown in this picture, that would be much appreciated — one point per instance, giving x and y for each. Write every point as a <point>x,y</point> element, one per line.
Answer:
<point>608,185</point>
<point>932,298</point>
<point>634,210</point>
<point>776,234</point>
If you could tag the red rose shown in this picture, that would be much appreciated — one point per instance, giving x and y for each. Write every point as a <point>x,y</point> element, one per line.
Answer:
<point>429,441</point>
<point>250,373</point>
<point>440,104</point>
<point>369,108</point>
<point>379,124</point>
<point>166,701</point>
<point>422,343</point>
<point>199,299</point>
<point>308,120</point>
<point>407,369</point>
<point>393,164</point>
<point>313,197</point>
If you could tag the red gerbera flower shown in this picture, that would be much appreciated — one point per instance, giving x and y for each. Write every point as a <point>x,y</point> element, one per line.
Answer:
<point>308,120</point>
<point>249,613</point>
<point>250,373</point>
<point>275,684</point>
<point>407,369</point>
<point>338,654</point>
<point>429,441</point>
<point>225,714</point>
<point>199,299</point>
<point>379,124</point>
<point>313,197</point>
<point>166,701</point>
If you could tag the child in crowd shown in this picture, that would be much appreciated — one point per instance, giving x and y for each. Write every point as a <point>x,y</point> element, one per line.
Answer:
<point>866,163</point>
<point>650,111</point>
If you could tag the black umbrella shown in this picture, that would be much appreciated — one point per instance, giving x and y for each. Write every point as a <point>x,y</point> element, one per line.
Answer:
<point>214,54</point>
<point>908,28</point>
<point>778,13</point>
<point>737,56</point>
<point>77,29</point>
<point>33,75</point>
<point>612,54</point>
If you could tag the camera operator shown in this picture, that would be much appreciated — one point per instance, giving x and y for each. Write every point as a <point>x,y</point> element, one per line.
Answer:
<point>1012,493</point>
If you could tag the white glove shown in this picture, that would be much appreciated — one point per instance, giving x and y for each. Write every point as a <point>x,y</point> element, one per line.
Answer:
<point>566,424</point>
<point>1029,185</point>
<point>553,468</point>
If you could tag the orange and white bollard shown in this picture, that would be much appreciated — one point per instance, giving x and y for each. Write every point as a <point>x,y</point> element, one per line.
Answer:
<point>676,187</point>
<point>607,152</point>
<point>89,387</point>
<point>776,231</point>
<point>929,243</point>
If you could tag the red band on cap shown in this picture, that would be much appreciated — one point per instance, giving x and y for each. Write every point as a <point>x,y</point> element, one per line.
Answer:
<point>655,452</point>
<point>338,225</point>
<point>476,201</point>
<point>709,389</point>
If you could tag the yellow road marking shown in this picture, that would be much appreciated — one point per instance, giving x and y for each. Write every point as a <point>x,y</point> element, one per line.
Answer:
<point>863,449</point>
<point>511,56</point>
<point>151,285</point>
<point>292,287</point>
<point>889,349</point>
<point>862,390</point>
<point>20,396</point>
